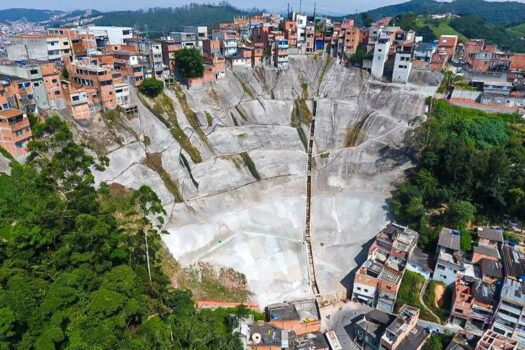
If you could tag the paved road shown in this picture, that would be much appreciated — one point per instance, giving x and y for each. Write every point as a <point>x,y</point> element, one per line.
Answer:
<point>339,318</point>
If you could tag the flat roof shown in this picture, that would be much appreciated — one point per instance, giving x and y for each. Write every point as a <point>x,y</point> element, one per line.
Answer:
<point>10,113</point>
<point>513,291</point>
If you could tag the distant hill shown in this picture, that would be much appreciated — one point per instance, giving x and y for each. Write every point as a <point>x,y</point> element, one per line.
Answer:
<point>501,13</point>
<point>44,16</point>
<point>164,20</point>
<point>30,15</point>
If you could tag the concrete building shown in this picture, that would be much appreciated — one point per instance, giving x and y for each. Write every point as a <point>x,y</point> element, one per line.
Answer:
<point>39,47</point>
<point>106,35</point>
<point>509,319</point>
<point>200,32</point>
<point>301,316</point>
<point>448,44</point>
<point>495,341</point>
<point>381,49</point>
<point>19,93</point>
<point>419,261</point>
<point>474,302</point>
<point>33,73</point>
<point>449,259</point>
<point>52,76</point>
<point>377,330</point>
<point>377,281</point>
<point>15,131</point>
<point>402,67</point>
<point>228,40</point>
<point>187,40</point>
<point>280,57</point>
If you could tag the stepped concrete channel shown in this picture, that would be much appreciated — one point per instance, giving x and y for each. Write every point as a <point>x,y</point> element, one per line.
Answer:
<point>244,204</point>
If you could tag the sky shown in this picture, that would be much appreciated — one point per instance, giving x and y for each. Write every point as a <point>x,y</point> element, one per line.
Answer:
<point>323,6</point>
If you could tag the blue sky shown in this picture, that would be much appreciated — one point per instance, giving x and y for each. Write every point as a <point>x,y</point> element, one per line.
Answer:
<point>324,6</point>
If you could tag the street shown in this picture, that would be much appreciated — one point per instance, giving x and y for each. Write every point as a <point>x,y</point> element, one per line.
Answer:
<point>339,318</point>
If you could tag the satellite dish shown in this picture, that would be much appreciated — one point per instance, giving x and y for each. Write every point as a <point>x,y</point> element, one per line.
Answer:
<point>256,338</point>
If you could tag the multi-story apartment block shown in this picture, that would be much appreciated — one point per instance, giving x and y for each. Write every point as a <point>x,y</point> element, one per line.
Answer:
<point>40,47</point>
<point>402,66</point>
<point>187,40</point>
<point>19,93</point>
<point>474,302</point>
<point>83,44</point>
<point>200,32</point>
<point>84,73</point>
<point>169,47</point>
<point>509,319</point>
<point>377,281</point>
<point>15,131</point>
<point>228,40</point>
<point>377,330</point>
<point>105,35</point>
<point>381,50</point>
<point>301,23</point>
<point>79,104</point>
<point>280,52</point>
<point>33,73</point>
<point>53,86</point>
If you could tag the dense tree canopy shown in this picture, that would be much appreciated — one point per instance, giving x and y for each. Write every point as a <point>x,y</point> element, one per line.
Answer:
<point>189,63</point>
<point>74,266</point>
<point>470,162</point>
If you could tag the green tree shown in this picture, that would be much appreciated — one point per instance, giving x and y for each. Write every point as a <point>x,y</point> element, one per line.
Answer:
<point>366,19</point>
<point>460,213</point>
<point>151,87</point>
<point>189,63</point>
<point>65,73</point>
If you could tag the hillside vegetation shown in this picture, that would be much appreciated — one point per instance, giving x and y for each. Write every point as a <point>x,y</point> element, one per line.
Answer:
<point>79,266</point>
<point>164,20</point>
<point>501,13</point>
<point>470,167</point>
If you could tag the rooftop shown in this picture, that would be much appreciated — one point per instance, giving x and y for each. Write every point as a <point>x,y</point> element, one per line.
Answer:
<point>310,341</point>
<point>10,113</point>
<point>490,234</point>
<point>513,261</point>
<point>491,268</point>
<point>414,339</point>
<point>513,291</point>
<point>449,239</point>
<point>487,251</point>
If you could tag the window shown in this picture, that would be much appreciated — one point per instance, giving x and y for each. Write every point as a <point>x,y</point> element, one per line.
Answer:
<point>33,71</point>
<point>54,81</point>
<point>366,290</point>
<point>126,32</point>
<point>36,84</point>
<point>441,267</point>
<point>379,50</point>
<point>75,98</point>
<point>65,43</point>
<point>358,288</point>
<point>443,276</point>
<point>57,92</point>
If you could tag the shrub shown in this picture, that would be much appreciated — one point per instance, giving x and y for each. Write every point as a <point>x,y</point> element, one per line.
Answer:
<point>151,87</point>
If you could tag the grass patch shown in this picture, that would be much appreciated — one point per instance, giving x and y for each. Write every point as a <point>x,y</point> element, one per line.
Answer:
<point>154,162</point>
<point>304,88</point>
<point>441,308</point>
<point>300,113</point>
<point>162,108</point>
<point>248,162</point>
<point>191,116</point>
<point>246,88</point>
<point>209,119</point>
<point>115,119</point>
<point>409,294</point>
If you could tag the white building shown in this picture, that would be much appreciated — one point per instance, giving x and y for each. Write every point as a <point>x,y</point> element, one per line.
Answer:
<point>122,94</point>
<point>228,39</point>
<point>402,67</point>
<point>301,21</point>
<point>509,319</point>
<point>380,57</point>
<point>111,35</point>
<point>38,47</point>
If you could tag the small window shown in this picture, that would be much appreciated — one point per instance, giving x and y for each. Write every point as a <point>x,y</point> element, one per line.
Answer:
<point>33,71</point>
<point>36,84</point>
<point>57,92</point>
<point>75,98</point>
<point>358,288</point>
<point>54,81</point>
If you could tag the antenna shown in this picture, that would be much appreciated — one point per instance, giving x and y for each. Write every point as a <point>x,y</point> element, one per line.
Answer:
<point>315,5</point>
<point>300,5</point>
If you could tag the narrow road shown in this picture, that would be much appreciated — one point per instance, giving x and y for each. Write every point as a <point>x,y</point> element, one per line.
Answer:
<point>307,236</point>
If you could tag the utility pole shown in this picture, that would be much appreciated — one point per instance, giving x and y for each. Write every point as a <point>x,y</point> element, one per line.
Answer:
<point>300,6</point>
<point>315,5</point>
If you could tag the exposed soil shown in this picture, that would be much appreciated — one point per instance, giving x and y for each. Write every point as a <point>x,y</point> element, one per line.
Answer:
<point>439,291</point>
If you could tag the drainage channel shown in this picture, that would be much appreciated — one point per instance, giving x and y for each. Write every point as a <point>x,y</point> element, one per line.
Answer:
<point>307,233</point>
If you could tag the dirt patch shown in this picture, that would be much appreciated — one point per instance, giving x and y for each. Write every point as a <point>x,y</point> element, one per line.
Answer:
<point>439,292</point>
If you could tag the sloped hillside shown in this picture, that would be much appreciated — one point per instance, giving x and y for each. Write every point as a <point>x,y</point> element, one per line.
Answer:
<point>229,163</point>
